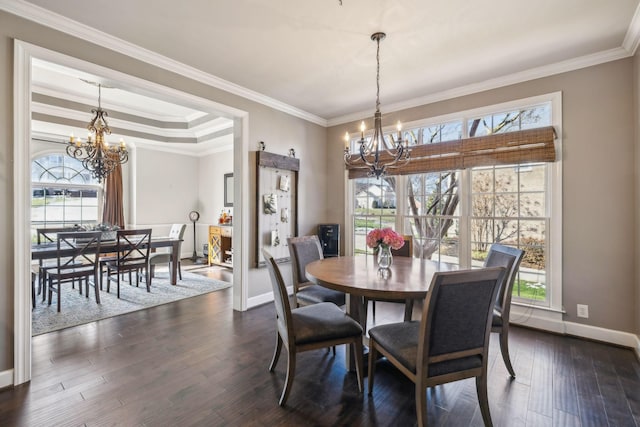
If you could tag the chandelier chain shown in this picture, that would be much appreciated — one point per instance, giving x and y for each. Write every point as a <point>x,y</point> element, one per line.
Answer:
<point>378,75</point>
<point>378,154</point>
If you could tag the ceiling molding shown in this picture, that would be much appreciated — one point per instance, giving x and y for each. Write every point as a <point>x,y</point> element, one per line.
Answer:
<point>58,22</point>
<point>194,150</point>
<point>527,75</point>
<point>161,133</point>
<point>45,90</point>
<point>632,38</point>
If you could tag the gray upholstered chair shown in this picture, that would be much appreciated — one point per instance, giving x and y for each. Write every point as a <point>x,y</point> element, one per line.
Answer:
<point>509,258</point>
<point>304,250</point>
<point>308,328</point>
<point>405,251</point>
<point>450,342</point>
<point>176,232</point>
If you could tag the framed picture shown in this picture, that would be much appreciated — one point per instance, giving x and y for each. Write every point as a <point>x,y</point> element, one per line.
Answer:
<point>228,190</point>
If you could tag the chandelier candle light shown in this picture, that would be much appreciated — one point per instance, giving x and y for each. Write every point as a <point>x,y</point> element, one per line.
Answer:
<point>96,154</point>
<point>383,240</point>
<point>379,153</point>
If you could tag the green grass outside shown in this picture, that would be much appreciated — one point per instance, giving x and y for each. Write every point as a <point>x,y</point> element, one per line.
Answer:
<point>529,290</point>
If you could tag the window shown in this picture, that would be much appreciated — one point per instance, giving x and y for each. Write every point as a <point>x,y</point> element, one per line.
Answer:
<point>455,215</point>
<point>63,193</point>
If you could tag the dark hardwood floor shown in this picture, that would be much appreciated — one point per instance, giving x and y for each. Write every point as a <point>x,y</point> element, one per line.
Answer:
<point>196,362</point>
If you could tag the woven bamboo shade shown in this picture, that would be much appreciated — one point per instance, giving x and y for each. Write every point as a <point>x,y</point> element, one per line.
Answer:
<point>526,146</point>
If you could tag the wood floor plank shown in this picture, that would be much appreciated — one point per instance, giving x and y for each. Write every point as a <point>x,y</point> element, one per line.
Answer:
<point>196,362</point>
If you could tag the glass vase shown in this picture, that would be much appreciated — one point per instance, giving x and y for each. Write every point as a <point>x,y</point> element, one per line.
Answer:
<point>385,259</point>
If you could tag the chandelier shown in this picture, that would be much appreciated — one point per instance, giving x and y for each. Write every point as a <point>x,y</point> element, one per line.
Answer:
<point>96,154</point>
<point>379,153</point>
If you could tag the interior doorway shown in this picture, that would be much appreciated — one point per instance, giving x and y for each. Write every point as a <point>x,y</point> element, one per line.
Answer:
<point>24,56</point>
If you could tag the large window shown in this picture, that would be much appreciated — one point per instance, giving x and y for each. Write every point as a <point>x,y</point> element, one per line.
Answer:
<point>456,215</point>
<point>63,193</point>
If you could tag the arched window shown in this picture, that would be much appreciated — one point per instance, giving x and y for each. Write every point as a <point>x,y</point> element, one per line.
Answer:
<point>63,193</point>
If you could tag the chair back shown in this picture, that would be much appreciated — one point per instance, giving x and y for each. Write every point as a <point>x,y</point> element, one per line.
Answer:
<point>509,258</point>
<point>303,250</point>
<point>407,249</point>
<point>78,251</point>
<point>48,235</point>
<point>456,317</point>
<point>133,248</point>
<point>281,299</point>
<point>177,232</point>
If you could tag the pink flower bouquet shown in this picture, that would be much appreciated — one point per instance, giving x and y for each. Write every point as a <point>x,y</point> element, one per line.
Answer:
<point>385,237</point>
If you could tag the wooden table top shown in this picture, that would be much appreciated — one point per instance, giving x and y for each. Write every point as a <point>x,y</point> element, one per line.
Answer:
<point>410,277</point>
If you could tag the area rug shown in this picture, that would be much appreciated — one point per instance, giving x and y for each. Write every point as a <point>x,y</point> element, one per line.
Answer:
<point>77,310</point>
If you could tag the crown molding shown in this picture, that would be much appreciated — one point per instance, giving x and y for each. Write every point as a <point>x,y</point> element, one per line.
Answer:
<point>54,92</point>
<point>82,117</point>
<point>632,38</point>
<point>58,22</point>
<point>510,79</point>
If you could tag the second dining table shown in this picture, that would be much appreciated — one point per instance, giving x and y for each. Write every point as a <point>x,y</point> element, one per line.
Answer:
<point>49,251</point>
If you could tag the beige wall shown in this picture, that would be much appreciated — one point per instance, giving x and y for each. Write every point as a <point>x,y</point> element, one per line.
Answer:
<point>279,130</point>
<point>598,184</point>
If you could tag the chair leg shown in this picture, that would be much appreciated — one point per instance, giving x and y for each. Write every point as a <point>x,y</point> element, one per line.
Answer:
<point>148,279</point>
<point>373,308</point>
<point>504,349</point>
<point>358,354</point>
<point>95,288</point>
<point>421,403</point>
<point>481,388</point>
<point>118,285</point>
<point>373,356</point>
<point>33,291</point>
<point>408,310</point>
<point>60,294</point>
<point>48,290</point>
<point>291,371</point>
<point>276,353</point>
<point>179,270</point>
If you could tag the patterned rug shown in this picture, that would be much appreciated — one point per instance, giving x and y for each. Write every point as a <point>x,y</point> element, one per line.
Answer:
<point>76,309</point>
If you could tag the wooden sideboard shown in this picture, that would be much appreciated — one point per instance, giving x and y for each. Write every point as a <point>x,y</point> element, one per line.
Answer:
<point>221,245</point>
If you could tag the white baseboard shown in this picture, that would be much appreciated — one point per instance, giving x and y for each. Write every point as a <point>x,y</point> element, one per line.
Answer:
<point>543,319</point>
<point>264,298</point>
<point>6,378</point>
<point>624,339</point>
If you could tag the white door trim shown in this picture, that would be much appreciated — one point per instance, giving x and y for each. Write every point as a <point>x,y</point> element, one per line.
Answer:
<point>24,53</point>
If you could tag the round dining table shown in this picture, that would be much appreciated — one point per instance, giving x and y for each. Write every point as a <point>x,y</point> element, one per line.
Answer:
<point>408,278</point>
<point>358,277</point>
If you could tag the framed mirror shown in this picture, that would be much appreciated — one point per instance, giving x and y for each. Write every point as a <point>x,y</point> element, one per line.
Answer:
<point>228,190</point>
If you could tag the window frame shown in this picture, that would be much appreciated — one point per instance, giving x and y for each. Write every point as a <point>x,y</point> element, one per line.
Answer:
<point>98,188</point>
<point>553,194</point>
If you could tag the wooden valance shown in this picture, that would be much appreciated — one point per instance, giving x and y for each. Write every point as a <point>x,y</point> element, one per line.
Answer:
<point>525,146</point>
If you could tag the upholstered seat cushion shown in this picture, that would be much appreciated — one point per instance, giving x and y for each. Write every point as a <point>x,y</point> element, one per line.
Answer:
<point>322,322</point>
<point>314,294</point>
<point>401,341</point>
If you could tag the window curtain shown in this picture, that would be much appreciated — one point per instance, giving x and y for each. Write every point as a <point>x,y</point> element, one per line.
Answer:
<point>113,210</point>
<point>520,147</point>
